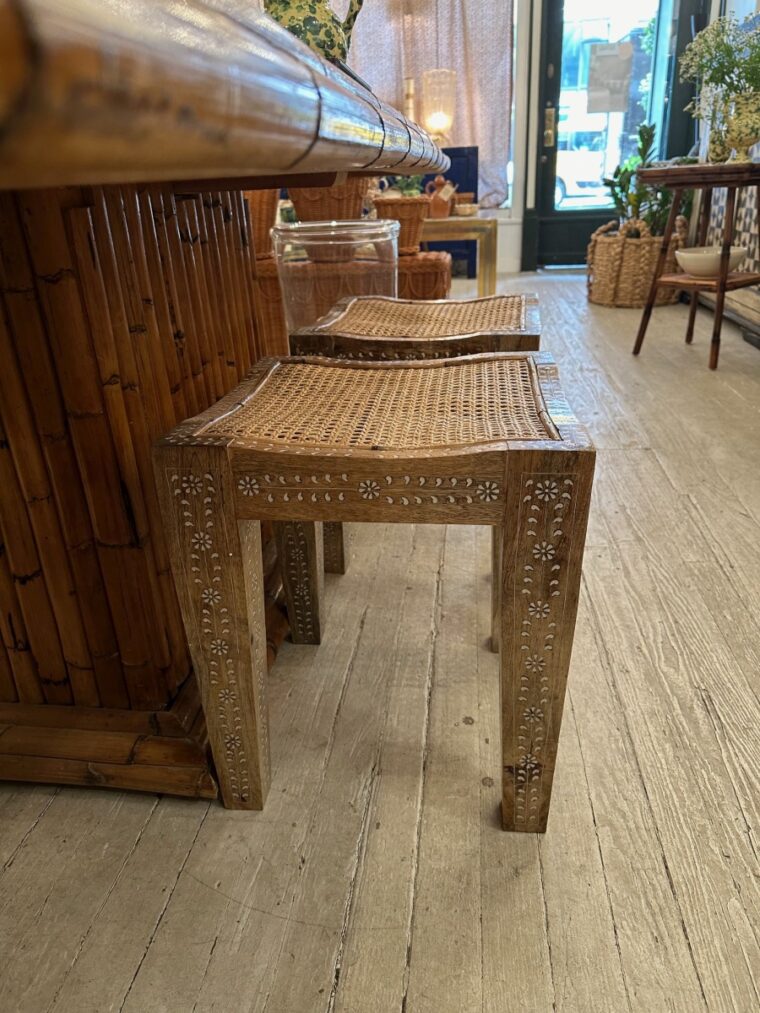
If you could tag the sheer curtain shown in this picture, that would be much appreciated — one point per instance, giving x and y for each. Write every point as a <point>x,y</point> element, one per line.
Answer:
<point>394,39</point>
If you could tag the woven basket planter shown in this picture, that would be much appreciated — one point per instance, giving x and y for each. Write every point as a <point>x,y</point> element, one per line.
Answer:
<point>410,213</point>
<point>619,268</point>
<point>263,209</point>
<point>425,275</point>
<point>340,202</point>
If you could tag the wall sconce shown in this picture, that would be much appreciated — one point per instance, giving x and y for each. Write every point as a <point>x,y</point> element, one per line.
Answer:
<point>438,102</point>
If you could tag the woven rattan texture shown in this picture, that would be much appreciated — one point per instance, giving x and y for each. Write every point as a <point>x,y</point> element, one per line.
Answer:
<point>381,318</point>
<point>399,408</point>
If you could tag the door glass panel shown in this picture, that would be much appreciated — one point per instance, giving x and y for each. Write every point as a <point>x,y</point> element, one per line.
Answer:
<point>606,91</point>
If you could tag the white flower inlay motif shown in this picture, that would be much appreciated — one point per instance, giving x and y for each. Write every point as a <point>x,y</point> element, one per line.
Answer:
<point>533,715</point>
<point>210,596</point>
<point>248,485</point>
<point>544,551</point>
<point>232,742</point>
<point>219,646</point>
<point>201,541</point>
<point>192,484</point>
<point>530,763</point>
<point>226,695</point>
<point>547,490</point>
<point>535,663</point>
<point>488,491</point>
<point>538,609</point>
<point>369,489</point>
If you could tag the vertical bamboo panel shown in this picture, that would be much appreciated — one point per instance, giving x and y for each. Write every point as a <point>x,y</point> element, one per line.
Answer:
<point>33,353</point>
<point>8,692</point>
<point>219,291</point>
<point>119,550</point>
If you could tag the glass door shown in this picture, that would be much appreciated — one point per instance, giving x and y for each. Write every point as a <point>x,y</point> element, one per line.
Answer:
<point>605,69</point>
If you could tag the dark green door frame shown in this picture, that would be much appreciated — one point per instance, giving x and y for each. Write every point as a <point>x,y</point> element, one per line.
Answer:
<point>560,237</point>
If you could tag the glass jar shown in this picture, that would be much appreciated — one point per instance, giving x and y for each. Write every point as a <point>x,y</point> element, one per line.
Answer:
<point>320,263</point>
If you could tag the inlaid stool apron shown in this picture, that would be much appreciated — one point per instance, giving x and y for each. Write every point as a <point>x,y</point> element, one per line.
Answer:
<point>381,328</point>
<point>483,439</point>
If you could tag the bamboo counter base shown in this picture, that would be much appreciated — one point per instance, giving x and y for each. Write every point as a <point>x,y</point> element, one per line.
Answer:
<point>124,309</point>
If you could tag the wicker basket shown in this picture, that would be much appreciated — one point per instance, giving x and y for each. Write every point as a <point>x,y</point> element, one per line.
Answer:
<point>340,202</point>
<point>619,269</point>
<point>320,286</point>
<point>411,213</point>
<point>425,275</point>
<point>263,209</point>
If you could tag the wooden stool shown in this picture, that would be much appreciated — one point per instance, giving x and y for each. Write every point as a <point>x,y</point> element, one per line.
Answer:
<point>379,328</point>
<point>484,439</point>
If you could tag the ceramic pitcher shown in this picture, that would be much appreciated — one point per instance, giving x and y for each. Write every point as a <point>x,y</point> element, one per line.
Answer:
<point>313,22</point>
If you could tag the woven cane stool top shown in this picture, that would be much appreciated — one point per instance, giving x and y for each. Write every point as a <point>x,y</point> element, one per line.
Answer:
<point>325,404</point>
<point>383,317</point>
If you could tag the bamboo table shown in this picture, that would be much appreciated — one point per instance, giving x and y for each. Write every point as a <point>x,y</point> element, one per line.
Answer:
<point>128,133</point>
<point>706,178</point>
<point>483,228</point>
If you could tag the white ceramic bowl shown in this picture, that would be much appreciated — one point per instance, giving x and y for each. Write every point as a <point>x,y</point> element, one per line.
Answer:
<point>704,261</point>
<point>466,210</point>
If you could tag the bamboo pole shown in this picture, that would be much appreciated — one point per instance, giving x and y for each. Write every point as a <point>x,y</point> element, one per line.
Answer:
<point>155,90</point>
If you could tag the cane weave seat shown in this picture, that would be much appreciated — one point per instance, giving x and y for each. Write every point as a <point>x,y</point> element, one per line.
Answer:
<point>393,406</point>
<point>379,328</point>
<point>378,317</point>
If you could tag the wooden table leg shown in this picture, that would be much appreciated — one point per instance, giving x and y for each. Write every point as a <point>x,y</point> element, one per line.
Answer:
<point>704,222</point>
<point>219,578</point>
<point>671,224</point>
<point>336,556</point>
<point>487,253</point>
<point>545,527</point>
<point>725,253</point>
<point>300,548</point>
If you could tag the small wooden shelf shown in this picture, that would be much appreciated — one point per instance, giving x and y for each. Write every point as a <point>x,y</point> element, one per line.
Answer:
<point>736,279</point>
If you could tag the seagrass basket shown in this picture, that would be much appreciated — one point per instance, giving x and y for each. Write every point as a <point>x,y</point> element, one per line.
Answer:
<point>620,268</point>
<point>424,275</point>
<point>340,202</point>
<point>410,213</point>
<point>262,205</point>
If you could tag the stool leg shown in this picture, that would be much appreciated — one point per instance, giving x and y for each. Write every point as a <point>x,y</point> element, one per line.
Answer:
<point>219,578</point>
<point>335,547</point>
<point>542,551</point>
<point>300,549</point>
<point>496,537</point>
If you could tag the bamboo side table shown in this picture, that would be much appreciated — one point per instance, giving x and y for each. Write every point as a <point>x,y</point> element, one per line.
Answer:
<point>483,228</point>
<point>678,178</point>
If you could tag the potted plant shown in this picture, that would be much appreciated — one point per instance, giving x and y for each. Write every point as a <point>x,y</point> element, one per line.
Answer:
<point>723,61</point>
<point>404,201</point>
<point>622,255</point>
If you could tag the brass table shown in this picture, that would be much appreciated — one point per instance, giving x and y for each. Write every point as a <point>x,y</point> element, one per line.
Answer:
<point>483,229</point>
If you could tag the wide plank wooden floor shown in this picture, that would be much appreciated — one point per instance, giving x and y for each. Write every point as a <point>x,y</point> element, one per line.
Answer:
<point>378,880</point>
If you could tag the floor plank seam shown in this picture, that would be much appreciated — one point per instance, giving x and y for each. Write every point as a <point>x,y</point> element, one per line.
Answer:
<point>546,924</point>
<point>608,668</point>
<point>429,683</point>
<point>164,907</point>
<point>12,857</point>
<point>103,903</point>
<point>369,791</point>
<point>601,854</point>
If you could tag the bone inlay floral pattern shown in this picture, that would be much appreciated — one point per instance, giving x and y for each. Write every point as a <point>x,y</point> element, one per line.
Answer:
<point>196,497</point>
<point>546,508</point>
<point>404,490</point>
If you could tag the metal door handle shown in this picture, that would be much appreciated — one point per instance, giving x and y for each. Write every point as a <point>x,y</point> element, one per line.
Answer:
<point>550,127</point>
